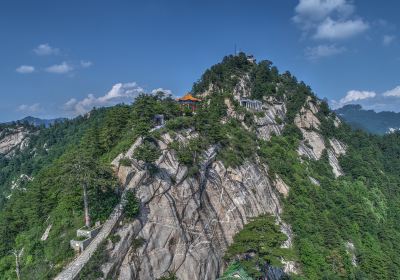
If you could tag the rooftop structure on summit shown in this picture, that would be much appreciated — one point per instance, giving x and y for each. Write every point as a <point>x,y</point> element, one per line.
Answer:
<point>188,101</point>
<point>251,58</point>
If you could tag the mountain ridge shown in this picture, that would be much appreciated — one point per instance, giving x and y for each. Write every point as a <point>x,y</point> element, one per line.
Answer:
<point>281,190</point>
<point>36,121</point>
<point>369,120</point>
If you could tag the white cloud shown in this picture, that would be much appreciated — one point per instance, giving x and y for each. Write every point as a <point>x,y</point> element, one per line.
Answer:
<point>386,101</point>
<point>320,51</point>
<point>308,11</point>
<point>332,30</point>
<point>86,63</point>
<point>62,68</point>
<point>121,92</point>
<point>166,91</point>
<point>25,69</point>
<point>388,39</point>
<point>328,19</point>
<point>29,108</point>
<point>356,95</point>
<point>46,49</point>
<point>393,92</point>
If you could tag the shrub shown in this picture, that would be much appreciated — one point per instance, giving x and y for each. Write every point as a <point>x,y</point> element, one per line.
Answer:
<point>115,238</point>
<point>147,152</point>
<point>132,206</point>
<point>125,161</point>
<point>258,245</point>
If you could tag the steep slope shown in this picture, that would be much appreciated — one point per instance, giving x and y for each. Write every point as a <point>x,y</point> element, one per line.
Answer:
<point>12,138</point>
<point>291,158</point>
<point>189,222</point>
<point>262,180</point>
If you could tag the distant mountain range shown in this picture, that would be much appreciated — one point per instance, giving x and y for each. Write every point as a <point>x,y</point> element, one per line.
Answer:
<point>369,120</point>
<point>38,122</point>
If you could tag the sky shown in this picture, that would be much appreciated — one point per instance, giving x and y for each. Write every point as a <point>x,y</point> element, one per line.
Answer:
<point>62,58</point>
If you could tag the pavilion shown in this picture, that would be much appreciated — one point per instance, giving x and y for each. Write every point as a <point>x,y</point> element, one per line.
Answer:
<point>188,101</point>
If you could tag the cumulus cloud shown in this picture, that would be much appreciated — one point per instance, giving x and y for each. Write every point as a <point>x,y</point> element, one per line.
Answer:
<point>328,20</point>
<point>311,11</point>
<point>46,49</point>
<point>33,108</point>
<point>166,91</point>
<point>356,95</point>
<point>314,53</point>
<point>119,93</point>
<point>393,92</point>
<point>62,68</point>
<point>86,63</point>
<point>388,39</point>
<point>332,30</point>
<point>386,101</point>
<point>25,69</point>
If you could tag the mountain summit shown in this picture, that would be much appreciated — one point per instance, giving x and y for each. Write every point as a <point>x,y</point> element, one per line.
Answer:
<point>258,180</point>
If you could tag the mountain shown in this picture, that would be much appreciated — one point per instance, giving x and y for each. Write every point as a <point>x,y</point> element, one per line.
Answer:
<point>259,180</point>
<point>369,120</point>
<point>38,122</point>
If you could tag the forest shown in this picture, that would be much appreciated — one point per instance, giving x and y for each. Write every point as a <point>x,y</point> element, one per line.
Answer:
<point>360,208</point>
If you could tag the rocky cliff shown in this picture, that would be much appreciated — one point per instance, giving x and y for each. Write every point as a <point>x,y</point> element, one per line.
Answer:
<point>12,138</point>
<point>188,222</point>
<point>314,144</point>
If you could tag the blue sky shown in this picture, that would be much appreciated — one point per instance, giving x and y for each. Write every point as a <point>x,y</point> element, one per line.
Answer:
<point>61,58</point>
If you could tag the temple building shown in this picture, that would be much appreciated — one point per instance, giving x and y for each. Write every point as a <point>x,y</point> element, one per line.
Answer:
<point>254,105</point>
<point>188,101</point>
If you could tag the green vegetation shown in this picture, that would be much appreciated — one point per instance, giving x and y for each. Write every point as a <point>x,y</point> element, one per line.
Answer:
<point>61,159</point>
<point>369,120</point>
<point>233,271</point>
<point>114,238</point>
<point>132,205</point>
<point>148,152</point>
<point>361,208</point>
<point>225,75</point>
<point>125,162</point>
<point>169,276</point>
<point>257,246</point>
<point>92,270</point>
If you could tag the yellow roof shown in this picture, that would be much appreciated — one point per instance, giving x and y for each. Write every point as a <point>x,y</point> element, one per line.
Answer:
<point>189,97</point>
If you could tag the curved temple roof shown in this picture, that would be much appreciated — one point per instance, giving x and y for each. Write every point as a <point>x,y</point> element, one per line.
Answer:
<point>189,97</point>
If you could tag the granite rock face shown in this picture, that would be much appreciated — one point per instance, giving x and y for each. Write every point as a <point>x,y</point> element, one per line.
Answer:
<point>272,121</point>
<point>188,222</point>
<point>12,138</point>
<point>313,145</point>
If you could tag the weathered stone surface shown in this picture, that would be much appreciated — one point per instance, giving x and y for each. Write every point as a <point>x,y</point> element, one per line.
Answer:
<point>12,138</point>
<point>306,118</point>
<point>188,222</point>
<point>313,144</point>
<point>337,122</point>
<point>337,149</point>
<point>269,125</point>
<point>46,233</point>
<point>281,186</point>
<point>314,181</point>
<point>242,88</point>
<point>351,250</point>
